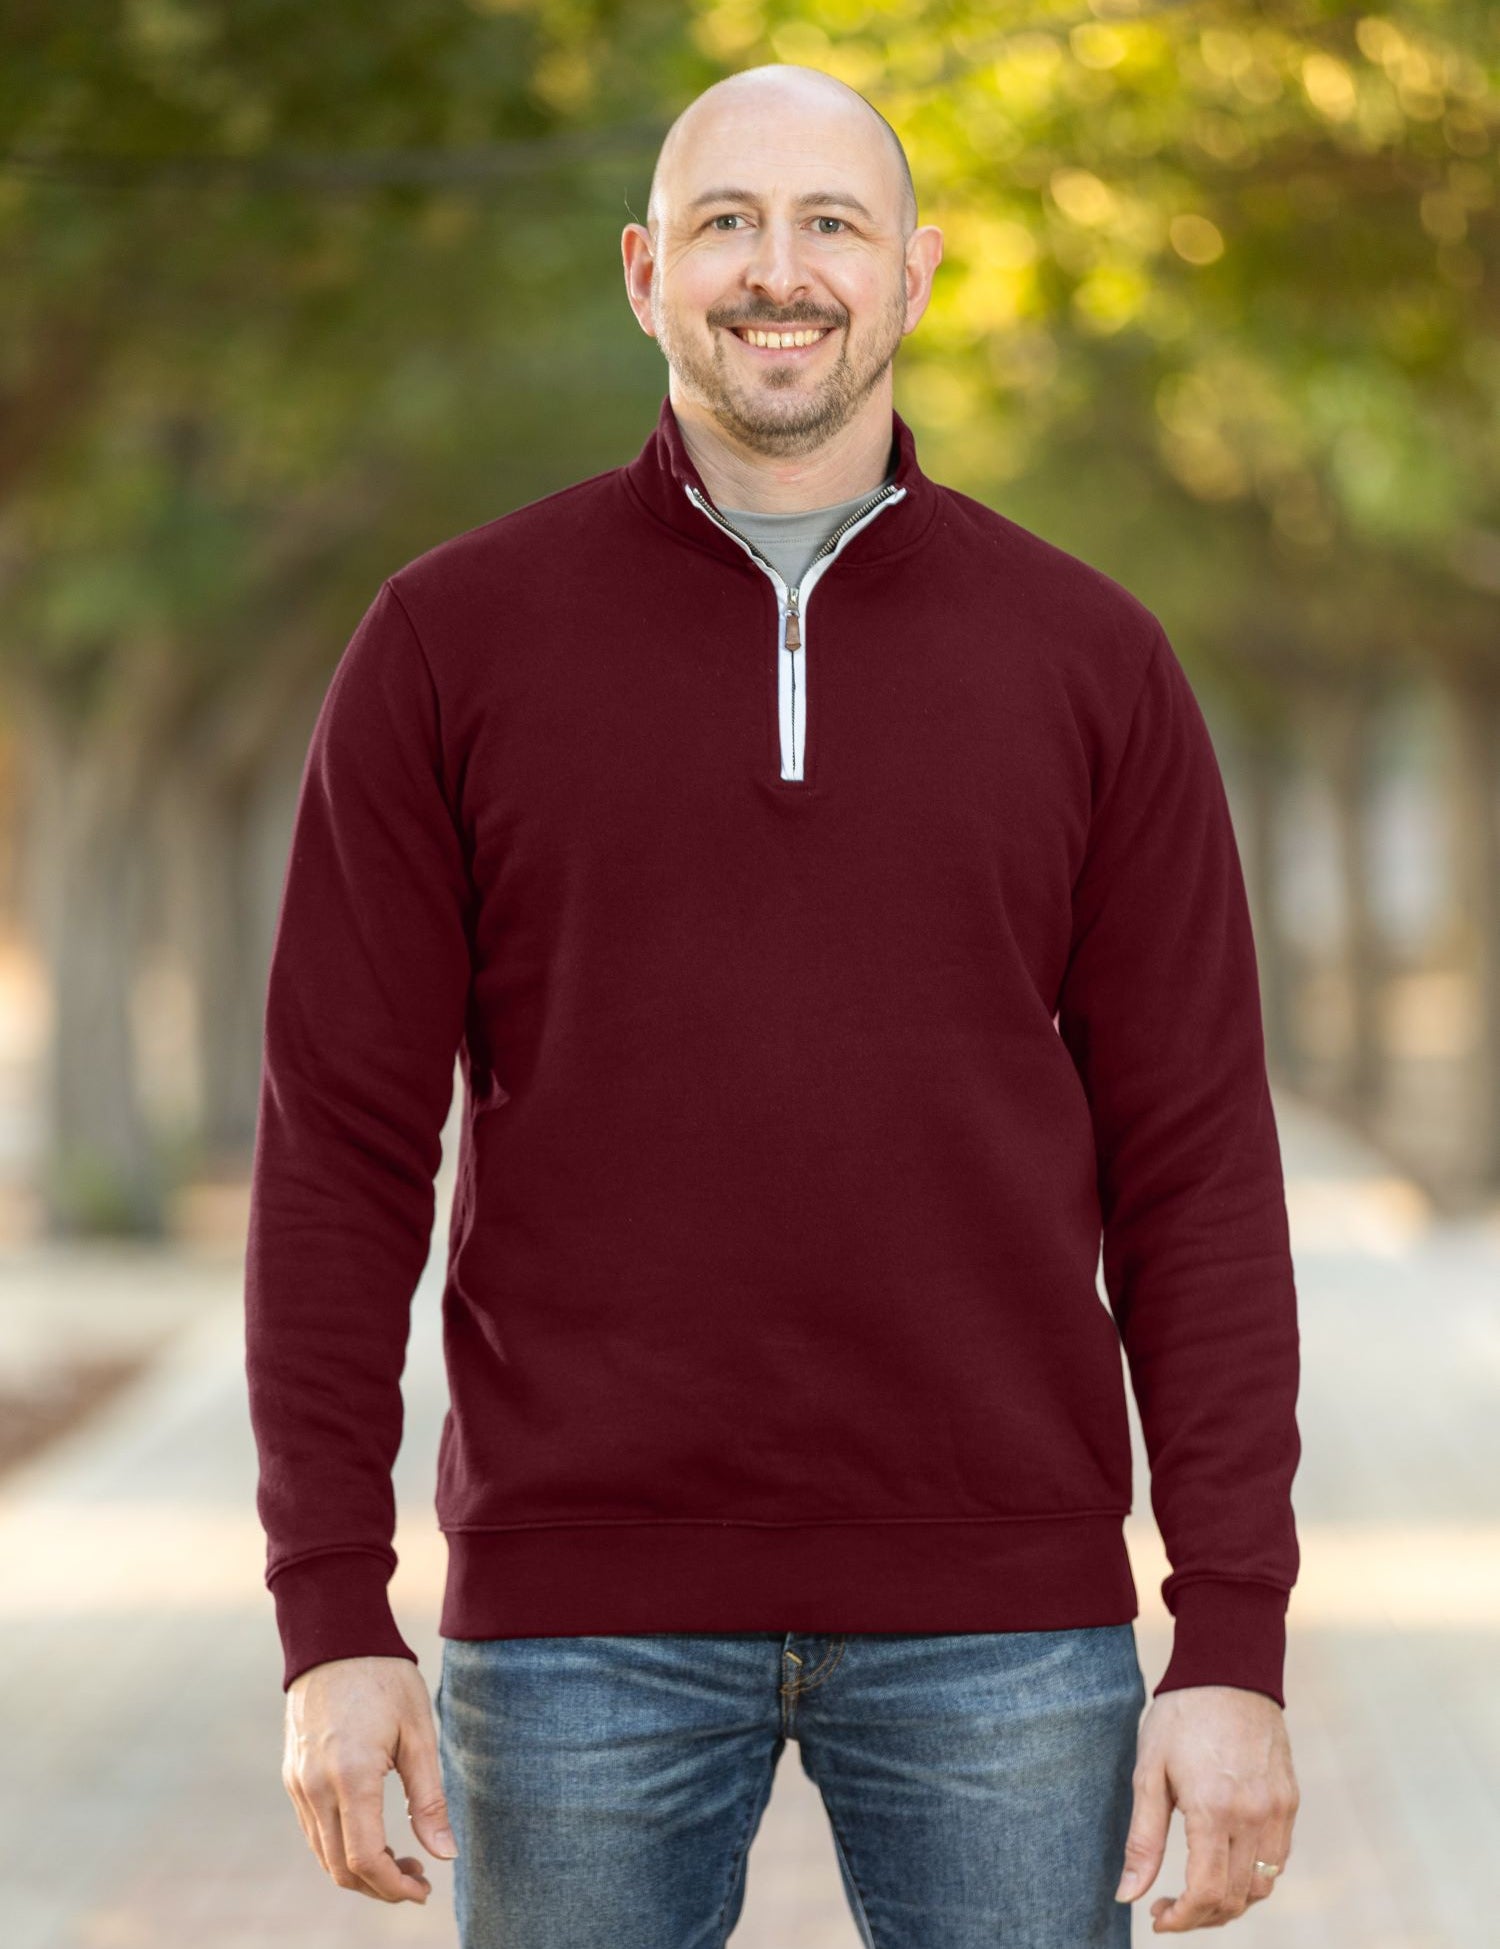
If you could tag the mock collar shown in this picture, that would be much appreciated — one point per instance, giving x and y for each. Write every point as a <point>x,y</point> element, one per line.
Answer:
<point>661,471</point>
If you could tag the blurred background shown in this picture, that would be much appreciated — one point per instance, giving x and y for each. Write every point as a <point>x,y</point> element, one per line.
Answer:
<point>291,293</point>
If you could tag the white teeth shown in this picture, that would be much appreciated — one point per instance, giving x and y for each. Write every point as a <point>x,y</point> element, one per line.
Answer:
<point>780,340</point>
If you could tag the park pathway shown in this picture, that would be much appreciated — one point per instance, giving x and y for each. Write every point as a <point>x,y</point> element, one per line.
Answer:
<point>143,1807</point>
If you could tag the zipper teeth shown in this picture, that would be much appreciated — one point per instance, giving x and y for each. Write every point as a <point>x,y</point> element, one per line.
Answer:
<point>729,529</point>
<point>886,490</point>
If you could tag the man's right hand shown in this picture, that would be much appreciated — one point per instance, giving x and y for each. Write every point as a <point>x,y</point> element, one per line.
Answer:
<point>348,1722</point>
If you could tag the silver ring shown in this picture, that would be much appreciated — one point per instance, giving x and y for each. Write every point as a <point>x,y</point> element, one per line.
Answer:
<point>1267,1868</point>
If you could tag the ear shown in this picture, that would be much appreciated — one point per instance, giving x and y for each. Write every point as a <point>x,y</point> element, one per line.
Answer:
<point>924,252</point>
<point>640,265</point>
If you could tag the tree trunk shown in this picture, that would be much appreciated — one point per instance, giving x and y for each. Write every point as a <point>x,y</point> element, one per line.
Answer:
<point>83,818</point>
<point>204,835</point>
<point>1475,720</point>
<point>1346,745</point>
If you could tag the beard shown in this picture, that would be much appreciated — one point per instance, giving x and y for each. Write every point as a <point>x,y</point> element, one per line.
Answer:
<point>781,412</point>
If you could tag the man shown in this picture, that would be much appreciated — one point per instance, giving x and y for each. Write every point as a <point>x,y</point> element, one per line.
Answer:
<point>828,976</point>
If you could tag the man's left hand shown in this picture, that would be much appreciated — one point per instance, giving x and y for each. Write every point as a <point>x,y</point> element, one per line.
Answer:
<point>1222,1755</point>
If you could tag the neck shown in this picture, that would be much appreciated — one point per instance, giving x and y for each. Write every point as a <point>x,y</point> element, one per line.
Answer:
<point>851,462</point>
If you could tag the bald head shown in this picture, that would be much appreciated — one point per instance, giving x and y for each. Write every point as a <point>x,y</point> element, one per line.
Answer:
<point>782,96</point>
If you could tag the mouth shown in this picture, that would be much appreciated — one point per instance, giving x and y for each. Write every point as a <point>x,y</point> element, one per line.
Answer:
<point>792,342</point>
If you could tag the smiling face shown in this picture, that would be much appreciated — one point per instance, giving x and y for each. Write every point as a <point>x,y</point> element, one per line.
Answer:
<point>779,276</point>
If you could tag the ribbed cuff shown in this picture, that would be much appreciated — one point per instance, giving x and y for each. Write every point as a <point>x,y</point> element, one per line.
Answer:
<point>335,1606</point>
<point>1228,1633</point>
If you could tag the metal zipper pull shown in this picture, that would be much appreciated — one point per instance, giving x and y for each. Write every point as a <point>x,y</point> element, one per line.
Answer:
<point>793,627</point>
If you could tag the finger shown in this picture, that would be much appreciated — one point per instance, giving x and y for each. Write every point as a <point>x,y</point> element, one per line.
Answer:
<point>369,1860</point>
<point>328,1813</point>
<point>328,1825</point>
<point>411,1866</point>
<point>1274,1845</point>
<point>1205,1899</point>
<point>1245,1848</point>
<point>306,1819</point>
<point>1146,1842</point>
<point>416,1760</point>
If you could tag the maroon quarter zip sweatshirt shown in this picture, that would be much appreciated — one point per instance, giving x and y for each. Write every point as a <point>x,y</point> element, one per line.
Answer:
<point>821,1011</point>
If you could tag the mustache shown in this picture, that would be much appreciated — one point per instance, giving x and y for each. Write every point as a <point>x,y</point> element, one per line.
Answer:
<point>777,324</point>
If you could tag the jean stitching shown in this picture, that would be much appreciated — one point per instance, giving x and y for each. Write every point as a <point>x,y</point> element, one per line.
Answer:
<point>822,1673</point>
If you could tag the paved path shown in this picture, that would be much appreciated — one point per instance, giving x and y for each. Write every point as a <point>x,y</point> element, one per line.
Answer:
<point>142,1801</point>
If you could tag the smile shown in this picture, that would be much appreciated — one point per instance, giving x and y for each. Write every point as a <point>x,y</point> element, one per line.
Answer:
<point>798,338</point>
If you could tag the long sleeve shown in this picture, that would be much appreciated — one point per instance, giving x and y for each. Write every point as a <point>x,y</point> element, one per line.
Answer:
<point>365,1007</point>
<point>1160,1010</point>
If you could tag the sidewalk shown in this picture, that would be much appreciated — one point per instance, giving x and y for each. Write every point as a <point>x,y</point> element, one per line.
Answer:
<point>142,1791</point>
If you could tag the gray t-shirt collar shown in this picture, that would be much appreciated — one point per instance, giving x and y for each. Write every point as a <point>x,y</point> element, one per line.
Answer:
<point>790,541</point>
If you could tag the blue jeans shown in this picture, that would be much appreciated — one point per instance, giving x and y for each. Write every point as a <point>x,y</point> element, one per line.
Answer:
<point>604,1791</point>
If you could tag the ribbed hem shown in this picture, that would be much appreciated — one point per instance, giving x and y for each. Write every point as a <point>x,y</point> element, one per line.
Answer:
<point>1228,1633</point>
<point>1048,1573</point>
<point>335,1606</point>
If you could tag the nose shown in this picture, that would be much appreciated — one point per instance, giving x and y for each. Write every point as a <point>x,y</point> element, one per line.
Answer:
<point>775,265</point>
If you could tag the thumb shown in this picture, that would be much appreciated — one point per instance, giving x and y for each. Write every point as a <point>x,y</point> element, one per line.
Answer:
<point>1146,1842</point>
<point>426,1806</point>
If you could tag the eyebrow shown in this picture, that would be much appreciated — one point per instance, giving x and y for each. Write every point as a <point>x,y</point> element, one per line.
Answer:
<point>818,196</point>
